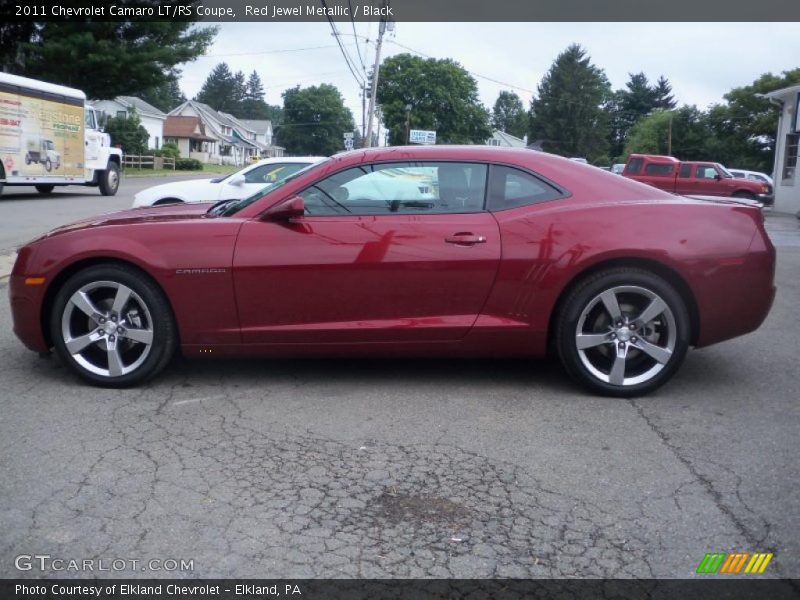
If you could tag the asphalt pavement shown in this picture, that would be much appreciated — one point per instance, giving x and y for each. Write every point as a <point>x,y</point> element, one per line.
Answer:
<point>401,468</point>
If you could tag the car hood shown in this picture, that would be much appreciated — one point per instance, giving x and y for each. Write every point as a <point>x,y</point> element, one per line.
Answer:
<point>134,216</point>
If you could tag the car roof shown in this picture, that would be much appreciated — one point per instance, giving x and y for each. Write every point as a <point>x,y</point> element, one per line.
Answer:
<point>445,152</point>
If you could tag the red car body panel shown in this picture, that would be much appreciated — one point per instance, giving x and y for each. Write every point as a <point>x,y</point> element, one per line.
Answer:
<point>393,284</point>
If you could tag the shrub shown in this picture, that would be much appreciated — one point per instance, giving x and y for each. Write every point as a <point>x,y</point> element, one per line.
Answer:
<point>168,150</point>
<point>188,164</point>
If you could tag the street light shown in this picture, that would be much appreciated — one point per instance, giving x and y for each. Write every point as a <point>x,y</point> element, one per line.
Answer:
<point>408,123</point>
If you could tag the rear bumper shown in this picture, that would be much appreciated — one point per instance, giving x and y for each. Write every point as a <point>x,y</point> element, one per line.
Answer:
<point>738,296</point>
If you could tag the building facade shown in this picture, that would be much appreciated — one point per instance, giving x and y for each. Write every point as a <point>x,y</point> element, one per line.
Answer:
<point>785,172</point>
<point>151,118</point>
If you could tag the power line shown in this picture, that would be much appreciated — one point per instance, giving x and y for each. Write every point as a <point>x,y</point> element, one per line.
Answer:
<point>282,51</point>
<point>497,81</point>
<point>347,59</point>
<point>355,35</point>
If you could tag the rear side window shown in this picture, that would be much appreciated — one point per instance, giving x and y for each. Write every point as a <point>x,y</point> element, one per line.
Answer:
<point>686,171</point>
<point>658,169</point>
<point>634,166</point>
<point>510,188</point>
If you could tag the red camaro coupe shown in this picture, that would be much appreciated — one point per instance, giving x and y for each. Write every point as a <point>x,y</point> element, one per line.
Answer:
<point>406,251</point>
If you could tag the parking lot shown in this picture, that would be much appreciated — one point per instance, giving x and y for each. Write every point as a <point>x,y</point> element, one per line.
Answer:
<point>412,468</point>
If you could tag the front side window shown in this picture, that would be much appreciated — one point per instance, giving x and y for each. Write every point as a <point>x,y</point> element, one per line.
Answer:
<point>405,188</point>
<point>510,188</point>
<point>89,119</point>
<point>706,172</point>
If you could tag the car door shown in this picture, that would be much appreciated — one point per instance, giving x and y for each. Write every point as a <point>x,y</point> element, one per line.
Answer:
<point>706,181</point>
<point>389,252</point>
<point>249,181</point>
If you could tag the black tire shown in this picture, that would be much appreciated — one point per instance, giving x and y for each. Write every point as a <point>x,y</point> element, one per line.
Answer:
<point>165,201</point>
<point>45,189</point>
<point>744,194</point>
<point>109,179</point>
<point>147,309</point>
<point>633,290</point>
<point>48,165</point>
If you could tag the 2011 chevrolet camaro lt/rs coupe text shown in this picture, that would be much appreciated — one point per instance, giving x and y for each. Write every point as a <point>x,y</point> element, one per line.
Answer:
<point>406,251</point>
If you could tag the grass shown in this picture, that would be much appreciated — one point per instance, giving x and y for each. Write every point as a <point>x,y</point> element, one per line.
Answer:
<point>207,169</point>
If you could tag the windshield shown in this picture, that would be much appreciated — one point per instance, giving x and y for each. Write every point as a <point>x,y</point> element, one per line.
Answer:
<point>724,171</point>
<point>234,207</point>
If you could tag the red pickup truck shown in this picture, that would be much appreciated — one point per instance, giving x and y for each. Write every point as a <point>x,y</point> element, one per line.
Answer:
<point>695,178</point>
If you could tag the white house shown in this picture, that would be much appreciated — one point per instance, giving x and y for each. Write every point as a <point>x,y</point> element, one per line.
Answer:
<point>506,140</point>
<point>152,119</point>
<point>233,141</point>
<point>785,172</point>
<point>264,138</point>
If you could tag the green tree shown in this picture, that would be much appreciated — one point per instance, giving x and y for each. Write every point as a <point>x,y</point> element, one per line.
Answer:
<point>442,95</point>
<point>111,58</point>
<point>314,120</point>
<point>128,133</point>
<point>692,138</point>
<point>165,97</point>
<point>13,36</point>
<point>662,91</point>
<point>746,124</point>
<point>567,113</point>
<point>508,114</point>
<point>219,89</point>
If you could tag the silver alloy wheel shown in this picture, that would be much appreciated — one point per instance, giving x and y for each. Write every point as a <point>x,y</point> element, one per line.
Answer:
<point>113,179</point>
<point>626,335</point>
<point>107,328</point>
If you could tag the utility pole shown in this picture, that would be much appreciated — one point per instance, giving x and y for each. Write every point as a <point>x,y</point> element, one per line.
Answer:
<point>363,112</point>
<point>375,69</point>
<point>669,136</point>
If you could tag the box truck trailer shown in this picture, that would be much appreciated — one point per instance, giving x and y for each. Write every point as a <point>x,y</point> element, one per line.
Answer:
<point>49,136</point>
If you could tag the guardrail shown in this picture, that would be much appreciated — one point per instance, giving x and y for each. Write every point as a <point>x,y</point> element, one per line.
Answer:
<point>136,161</point>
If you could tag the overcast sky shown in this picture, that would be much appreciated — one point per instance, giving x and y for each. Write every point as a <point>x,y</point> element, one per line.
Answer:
<point>702,60</point>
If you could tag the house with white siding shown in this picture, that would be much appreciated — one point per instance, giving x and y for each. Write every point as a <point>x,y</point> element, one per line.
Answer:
<point>785,171</point>
<point>152,118</point>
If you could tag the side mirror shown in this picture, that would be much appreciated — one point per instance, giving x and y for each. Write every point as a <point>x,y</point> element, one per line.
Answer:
<point>287,210</point>
<point>717,176</point>
<point>237,180</point>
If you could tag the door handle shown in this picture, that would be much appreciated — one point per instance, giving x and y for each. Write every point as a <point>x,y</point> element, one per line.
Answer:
<point>465,239</point>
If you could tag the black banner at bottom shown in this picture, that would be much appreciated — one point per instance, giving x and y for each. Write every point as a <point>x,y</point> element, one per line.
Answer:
<point>422,589</point>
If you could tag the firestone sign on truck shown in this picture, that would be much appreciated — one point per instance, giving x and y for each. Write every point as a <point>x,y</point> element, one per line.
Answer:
<point>49,137</point>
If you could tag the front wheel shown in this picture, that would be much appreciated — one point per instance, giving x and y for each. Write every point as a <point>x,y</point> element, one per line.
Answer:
<point>743,194</point>
<point>112,326</point>
<point>48,165</point>
<point>623,332</point>
<point>109,180</point>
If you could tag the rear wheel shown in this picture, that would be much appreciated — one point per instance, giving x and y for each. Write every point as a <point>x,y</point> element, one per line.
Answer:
<point>623,332</point>
<point>164,201</point>
<point>45,189</point>
<point>109,180</point>
<point>112,326</point>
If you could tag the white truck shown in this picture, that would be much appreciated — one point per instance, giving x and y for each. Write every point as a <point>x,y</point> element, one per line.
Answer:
<point>49,136</point>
